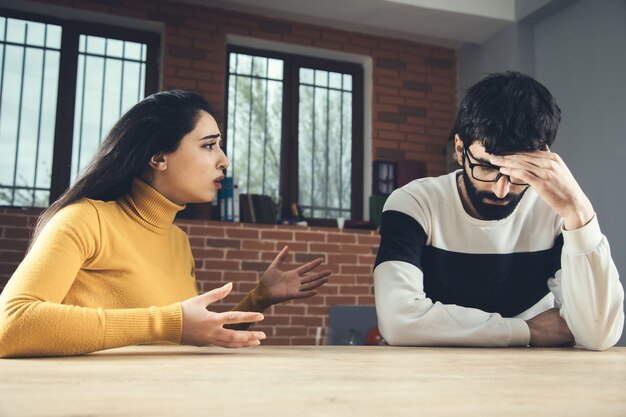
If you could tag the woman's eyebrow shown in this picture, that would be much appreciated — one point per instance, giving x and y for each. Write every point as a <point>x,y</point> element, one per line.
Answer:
<point>217,135</point>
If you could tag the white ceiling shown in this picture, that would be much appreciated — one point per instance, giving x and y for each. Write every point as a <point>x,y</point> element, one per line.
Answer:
<point>443,22</point>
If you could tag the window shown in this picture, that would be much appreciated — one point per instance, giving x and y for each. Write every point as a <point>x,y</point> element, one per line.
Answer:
<point>62,87</point>
<point>294,131</point>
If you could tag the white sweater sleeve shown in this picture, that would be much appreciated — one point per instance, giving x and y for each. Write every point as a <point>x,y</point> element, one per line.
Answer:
<point>407,317</point>
<point>588,289</point>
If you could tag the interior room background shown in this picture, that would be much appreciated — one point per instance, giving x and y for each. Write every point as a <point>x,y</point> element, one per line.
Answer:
<point>352,105</point>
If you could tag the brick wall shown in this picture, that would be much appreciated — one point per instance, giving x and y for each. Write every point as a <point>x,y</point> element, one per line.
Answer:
<point>414,99</point>
<point>238,253</point>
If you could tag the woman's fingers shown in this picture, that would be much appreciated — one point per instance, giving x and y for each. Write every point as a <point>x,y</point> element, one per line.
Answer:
<point>216,294</point>
<point>309,266</point>
<point>234,317</point>
<point>310,277</point>
<point>280,257</point>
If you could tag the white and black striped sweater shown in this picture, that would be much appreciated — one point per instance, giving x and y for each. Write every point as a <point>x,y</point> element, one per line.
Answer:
<point>444,278</point>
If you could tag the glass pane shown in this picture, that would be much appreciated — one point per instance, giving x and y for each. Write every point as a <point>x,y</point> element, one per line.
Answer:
<point>133,51</point>
<point>3,24</point>
<point>106,87</point>
<point>347,82</point>
<point>254,128</point>
<point>334,80</point>
<point>321,78</point>
<point>29,80</point>
<point>54,37</point>
<point>244,64</point>
<point>96,45</point>
<point>16,30</point>
<point>306,76</point>
<point>115,48</point>
<point>275,70</point>
<point>324,148</point>
<point>36,35</point>
<point>259,66</point>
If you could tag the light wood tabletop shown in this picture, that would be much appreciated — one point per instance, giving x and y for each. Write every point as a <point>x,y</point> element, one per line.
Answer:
<point>318,381</point>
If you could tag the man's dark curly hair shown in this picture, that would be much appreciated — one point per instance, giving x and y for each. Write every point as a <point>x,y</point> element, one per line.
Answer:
<point>508,112</point>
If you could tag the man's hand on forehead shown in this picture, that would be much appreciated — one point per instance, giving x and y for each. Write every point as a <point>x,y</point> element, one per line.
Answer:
<point>546,172</point>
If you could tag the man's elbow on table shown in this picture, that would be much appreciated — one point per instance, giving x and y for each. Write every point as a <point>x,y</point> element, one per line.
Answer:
<point>598,337</point>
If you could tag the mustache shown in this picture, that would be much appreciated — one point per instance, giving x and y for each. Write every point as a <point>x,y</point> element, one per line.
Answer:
<point>491,196</point>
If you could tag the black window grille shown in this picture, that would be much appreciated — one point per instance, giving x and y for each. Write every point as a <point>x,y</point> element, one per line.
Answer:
<point>294,131</point>
<point>63,84</point>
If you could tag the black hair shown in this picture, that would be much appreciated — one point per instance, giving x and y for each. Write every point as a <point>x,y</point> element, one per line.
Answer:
<point>508,112</point>
<point>155,125</point>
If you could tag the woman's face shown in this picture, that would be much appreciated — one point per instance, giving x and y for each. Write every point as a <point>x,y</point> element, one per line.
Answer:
<point>193,172</point>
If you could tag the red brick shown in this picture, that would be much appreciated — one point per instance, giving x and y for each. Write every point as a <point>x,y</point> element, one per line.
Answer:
<point>310,236</point>
<point>248,276</point>
<point>242,254</point>
<point>291,331</point>
<point>276,235</point>
<point>288,309</point>
<point>355,269</point>
<point>345,290</point>
<point>17,233</point>
<point>13,220</point>
<point>342,258</point>
<point>212,264</point>
<point>307,321</point>
<point>325,247</point>
<point>340,300</point>
<point>206,231</point>
<point>242,233</point>
<point>344,237</point>
<point>254,266</point>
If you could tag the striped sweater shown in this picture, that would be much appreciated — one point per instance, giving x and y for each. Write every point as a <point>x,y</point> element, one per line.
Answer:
<point>445,278</point>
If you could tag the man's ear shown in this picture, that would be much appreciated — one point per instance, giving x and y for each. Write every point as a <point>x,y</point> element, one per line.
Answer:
<point>458,148</point>
<point>158,162</point>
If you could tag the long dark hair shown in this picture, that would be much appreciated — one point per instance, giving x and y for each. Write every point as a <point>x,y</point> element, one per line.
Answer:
<point>154,125</point>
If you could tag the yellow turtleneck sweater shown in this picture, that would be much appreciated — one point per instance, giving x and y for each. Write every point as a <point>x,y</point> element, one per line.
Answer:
<point>103,275</point>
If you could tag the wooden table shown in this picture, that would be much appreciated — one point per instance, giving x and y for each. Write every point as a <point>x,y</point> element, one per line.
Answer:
<point>318,381</point>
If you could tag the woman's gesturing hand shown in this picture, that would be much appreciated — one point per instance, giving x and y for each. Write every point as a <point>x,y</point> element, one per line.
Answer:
<point>301,282</point>
<point>202,327</point>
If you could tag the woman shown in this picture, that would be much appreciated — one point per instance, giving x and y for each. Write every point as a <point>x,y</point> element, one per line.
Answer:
<point>107,268</point>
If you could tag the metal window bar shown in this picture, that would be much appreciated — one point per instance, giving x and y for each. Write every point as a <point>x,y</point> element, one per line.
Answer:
<point>327,153</point>
<point>40,111</point>
<point>250,126</point>
<point>29,197</point>
<point>267,65</point>
<point>341,148</point>
<point>234,119</point>
<point>86,52</point>
<point>19,117</point>
<point>327,209</point>
<point>104,77</point>
<point>313,137</point>
<point>257,169</point>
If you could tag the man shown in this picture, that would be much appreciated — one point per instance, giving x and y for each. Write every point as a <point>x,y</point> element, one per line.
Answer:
<point>506,251</point>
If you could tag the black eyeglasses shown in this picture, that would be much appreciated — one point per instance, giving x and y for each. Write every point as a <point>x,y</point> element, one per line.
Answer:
<point>488,173</point>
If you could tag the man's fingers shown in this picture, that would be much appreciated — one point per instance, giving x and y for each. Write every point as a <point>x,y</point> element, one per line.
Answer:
<point>234,317</point>
<point>216,294</point>
<point>309,266</point>
<point>280,257</point>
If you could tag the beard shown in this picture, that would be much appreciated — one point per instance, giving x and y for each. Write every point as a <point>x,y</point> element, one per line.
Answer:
<point>491,211</point>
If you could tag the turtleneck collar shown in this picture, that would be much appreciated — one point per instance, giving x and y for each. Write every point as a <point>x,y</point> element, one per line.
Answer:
<point>148,207</point>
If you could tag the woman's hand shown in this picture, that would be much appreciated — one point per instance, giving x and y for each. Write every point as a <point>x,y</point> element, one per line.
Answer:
<point>202,327</point>
<point>294,284</point>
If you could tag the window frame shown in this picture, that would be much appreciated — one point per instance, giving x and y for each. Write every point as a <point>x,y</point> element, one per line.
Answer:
<point>289,161</point>
<point>71,30</point>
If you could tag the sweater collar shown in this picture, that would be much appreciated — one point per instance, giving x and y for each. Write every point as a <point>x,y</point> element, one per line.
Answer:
<point>149,207</point>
